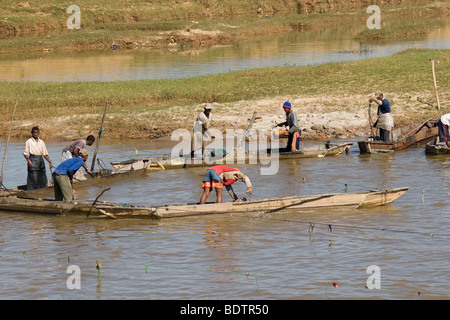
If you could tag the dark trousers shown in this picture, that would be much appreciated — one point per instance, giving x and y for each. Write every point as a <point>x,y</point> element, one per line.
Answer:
<point>37,177</point>
<point>444,134</point>
<point>385,135</point>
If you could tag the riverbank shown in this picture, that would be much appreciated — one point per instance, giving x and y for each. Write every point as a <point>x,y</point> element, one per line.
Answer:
<point>331,99</point>
<point>40,27</point>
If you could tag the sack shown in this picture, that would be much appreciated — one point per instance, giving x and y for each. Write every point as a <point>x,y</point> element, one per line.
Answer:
<point>385,121</point>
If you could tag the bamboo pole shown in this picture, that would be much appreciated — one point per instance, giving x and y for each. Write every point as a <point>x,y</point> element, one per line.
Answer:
<point>435,85</point>
<point>370,119</point>
<point>250,124</point>
<point>7,141</point>
<point>98,138</point>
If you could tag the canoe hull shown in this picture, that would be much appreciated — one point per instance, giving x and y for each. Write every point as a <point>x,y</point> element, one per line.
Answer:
<point>296,204</point>
<point>166,163</point>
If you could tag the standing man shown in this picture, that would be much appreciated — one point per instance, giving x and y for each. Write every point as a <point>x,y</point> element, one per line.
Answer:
<point>64,174</point>
<point>201,125</point>
<point>385,121</point>
<point>35,151</point>
<point>72,151</point>
<point>293,143</point>
<point>219,176</point>
<point>444,134</point>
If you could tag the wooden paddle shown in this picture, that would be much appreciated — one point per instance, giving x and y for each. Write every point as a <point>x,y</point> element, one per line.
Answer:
<point>107,213</point>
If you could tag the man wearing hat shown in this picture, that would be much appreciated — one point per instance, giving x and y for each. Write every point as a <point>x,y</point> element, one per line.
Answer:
<point>385,121</point>
<point>293,143</point>
<point>201,125</point>
<point>63,176</point>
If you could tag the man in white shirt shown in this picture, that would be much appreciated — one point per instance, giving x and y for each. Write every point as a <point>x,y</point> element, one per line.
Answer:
<point>443,124</point>
<point>35,151</point>
<point>201,125</point>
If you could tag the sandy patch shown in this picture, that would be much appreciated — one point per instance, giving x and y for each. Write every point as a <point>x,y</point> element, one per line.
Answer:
<point>320,117</point>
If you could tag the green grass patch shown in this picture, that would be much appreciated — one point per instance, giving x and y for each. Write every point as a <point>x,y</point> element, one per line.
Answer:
<point>408,31</point>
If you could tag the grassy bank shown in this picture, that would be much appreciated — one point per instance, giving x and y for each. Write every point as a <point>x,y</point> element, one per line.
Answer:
<point>147,108</point>
<point>36,26</point>
<point>408,31</point>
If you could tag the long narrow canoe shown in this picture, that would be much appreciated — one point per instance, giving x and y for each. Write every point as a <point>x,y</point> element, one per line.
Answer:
<point>402,138</point>
<point>98,177</point>
<point>275,205</point>
<point>166,162</point>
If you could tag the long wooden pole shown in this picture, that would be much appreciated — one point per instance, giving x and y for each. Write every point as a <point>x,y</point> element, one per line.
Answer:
<point>435,85</point>
<point>98,138</point>
<point>370,119</point>
<point>252,120</point>
<point>7,141</point>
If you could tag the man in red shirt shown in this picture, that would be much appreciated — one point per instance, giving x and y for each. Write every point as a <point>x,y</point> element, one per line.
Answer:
<point>219,176</point>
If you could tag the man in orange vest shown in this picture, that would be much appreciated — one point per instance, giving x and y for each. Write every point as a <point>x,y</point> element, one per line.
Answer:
<point>219,176</point>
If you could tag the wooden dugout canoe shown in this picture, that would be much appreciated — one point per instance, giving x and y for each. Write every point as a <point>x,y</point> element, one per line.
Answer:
<point>166,162</point>
<point>436,149</point>
<point>275,205</point>
<point>98,177</point>
<point>402,138</point>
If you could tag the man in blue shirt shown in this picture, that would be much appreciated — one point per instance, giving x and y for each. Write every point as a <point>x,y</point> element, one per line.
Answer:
<point>63,176</point>
<point>385,122</point>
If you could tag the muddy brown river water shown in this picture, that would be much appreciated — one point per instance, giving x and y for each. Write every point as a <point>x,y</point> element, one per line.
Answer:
<point>322,254</point>
<point>294,255</point>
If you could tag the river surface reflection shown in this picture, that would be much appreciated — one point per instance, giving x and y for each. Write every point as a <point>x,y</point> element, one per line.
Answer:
<point>278,256</point>
<point>299,48</point>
